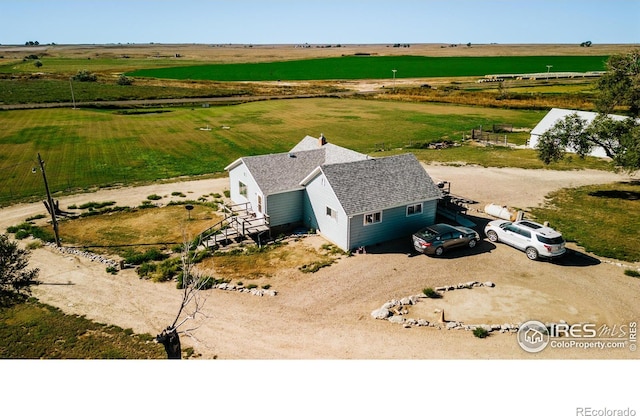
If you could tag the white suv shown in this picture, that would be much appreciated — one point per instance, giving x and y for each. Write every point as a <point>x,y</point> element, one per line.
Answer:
<point>534,239</point>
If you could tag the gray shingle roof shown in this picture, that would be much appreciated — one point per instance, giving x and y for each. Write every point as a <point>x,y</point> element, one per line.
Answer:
<point>377,184</point>
<point>333,153</point>
<point>282,172</point>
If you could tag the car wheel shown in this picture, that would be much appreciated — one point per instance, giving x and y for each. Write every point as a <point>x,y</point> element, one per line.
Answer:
<point>531,253</point>
<point>472,243</point>
<point>439,251</point>
<point>493,237</point>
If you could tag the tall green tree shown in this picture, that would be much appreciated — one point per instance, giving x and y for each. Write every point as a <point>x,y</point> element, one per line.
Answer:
<point>620,85</point>
<point>15,278</point>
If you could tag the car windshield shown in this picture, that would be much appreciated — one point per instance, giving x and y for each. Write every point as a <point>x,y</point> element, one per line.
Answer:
<point>427,233</point>
<point>547,240</point>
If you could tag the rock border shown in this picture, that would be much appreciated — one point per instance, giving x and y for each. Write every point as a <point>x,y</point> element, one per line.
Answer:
<point>113,263</point>
<point>91,256</point>
<point>393,310</point>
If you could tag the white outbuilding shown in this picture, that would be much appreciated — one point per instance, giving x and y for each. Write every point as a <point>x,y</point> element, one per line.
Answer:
<point>557,114</point>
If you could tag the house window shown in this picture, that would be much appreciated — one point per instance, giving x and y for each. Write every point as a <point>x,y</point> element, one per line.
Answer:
<point>332,213</point>
<point>414,209</point>
<point>242,189</point>
<point>373,218</point>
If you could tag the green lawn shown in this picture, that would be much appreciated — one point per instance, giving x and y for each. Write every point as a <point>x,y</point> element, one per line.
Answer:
<point>37,331</point>
<point>604,219</point>
<point>86,147</point>
<point>376,67</point>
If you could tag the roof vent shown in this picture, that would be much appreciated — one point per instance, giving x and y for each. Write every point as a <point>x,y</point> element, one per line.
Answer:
<point>291,155</point>
<point>322,140</point>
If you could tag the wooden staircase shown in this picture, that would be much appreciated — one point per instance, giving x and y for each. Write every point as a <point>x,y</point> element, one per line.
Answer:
<point>239,222</point>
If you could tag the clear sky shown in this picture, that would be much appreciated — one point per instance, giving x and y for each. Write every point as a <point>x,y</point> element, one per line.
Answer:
<point>319,22</point>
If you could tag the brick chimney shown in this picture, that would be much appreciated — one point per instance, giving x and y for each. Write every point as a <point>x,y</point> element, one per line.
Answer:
<point>322,140</point>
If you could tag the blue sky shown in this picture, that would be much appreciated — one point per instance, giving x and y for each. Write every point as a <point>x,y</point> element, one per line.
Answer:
<point>319,22</point>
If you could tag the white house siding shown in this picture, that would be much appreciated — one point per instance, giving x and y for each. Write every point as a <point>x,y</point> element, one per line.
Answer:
<point>285,208</point>
<point>239,174</point>
<point>318,197</point>
<point>395,224</point>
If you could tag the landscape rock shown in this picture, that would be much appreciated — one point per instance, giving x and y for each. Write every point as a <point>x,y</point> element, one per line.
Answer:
<point>382,313</point>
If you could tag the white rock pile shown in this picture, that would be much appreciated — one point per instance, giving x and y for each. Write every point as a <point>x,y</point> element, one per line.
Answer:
<point>239,288</point>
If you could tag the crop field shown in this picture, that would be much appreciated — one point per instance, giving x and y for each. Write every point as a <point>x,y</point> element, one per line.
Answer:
<point>376,67</point>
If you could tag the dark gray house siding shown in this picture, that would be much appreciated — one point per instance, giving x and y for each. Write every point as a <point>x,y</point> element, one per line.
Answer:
<point>394,224</point>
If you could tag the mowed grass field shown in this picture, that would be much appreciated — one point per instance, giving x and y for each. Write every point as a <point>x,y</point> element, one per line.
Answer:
<point>377,67</point>
<point>87,148</point>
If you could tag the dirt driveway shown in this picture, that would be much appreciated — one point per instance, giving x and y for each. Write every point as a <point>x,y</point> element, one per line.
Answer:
<point>327,315</point>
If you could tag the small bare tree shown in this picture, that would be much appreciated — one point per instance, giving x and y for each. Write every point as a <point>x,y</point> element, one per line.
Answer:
<point>190,306</point>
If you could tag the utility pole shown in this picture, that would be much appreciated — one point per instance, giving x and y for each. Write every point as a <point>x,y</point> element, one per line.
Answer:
<point>73,98</point>
<point>394,79</point>
<point>52,210</point>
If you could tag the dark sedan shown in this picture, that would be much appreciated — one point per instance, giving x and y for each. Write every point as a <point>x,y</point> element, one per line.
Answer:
<point>438,238</point>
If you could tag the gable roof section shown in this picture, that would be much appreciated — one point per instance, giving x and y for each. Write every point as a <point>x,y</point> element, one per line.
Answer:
<point>377,184</point>
<point>281,172</point>
<point>556,114</point>
<point>333,153</point>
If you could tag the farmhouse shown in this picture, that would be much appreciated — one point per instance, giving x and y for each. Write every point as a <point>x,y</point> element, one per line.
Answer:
<point>557,114</point>
<point>351,199</point>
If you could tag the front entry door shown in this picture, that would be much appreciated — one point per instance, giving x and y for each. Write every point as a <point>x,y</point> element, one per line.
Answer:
<point>259,207</point>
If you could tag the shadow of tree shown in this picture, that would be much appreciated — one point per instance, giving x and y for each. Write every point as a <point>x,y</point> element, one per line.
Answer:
<point>618,193</point>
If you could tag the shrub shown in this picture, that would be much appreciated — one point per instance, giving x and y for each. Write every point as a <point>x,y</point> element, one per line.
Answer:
<point>35,217</point>
<point>152,254</point>
<point>154,197</point>
<point>112,270</point>
<point>34,245</point>
<point>124,80</point>
<point>146,269</point>
<point>315,266</point>
<point>168,269</point>
<point>85,76</point>
<point>97,205</point>
<point>430,293</point>
<point>22,234</point>
<point>480,332</point>
<point>252,286</point>
<point>146,204</point>
<point>266,287</point>
<point>227,193</point>
<point>26,229</point>
<point>632,273</point>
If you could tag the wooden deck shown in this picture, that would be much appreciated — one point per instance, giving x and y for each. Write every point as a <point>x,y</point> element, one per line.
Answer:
<point>240,222</point>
